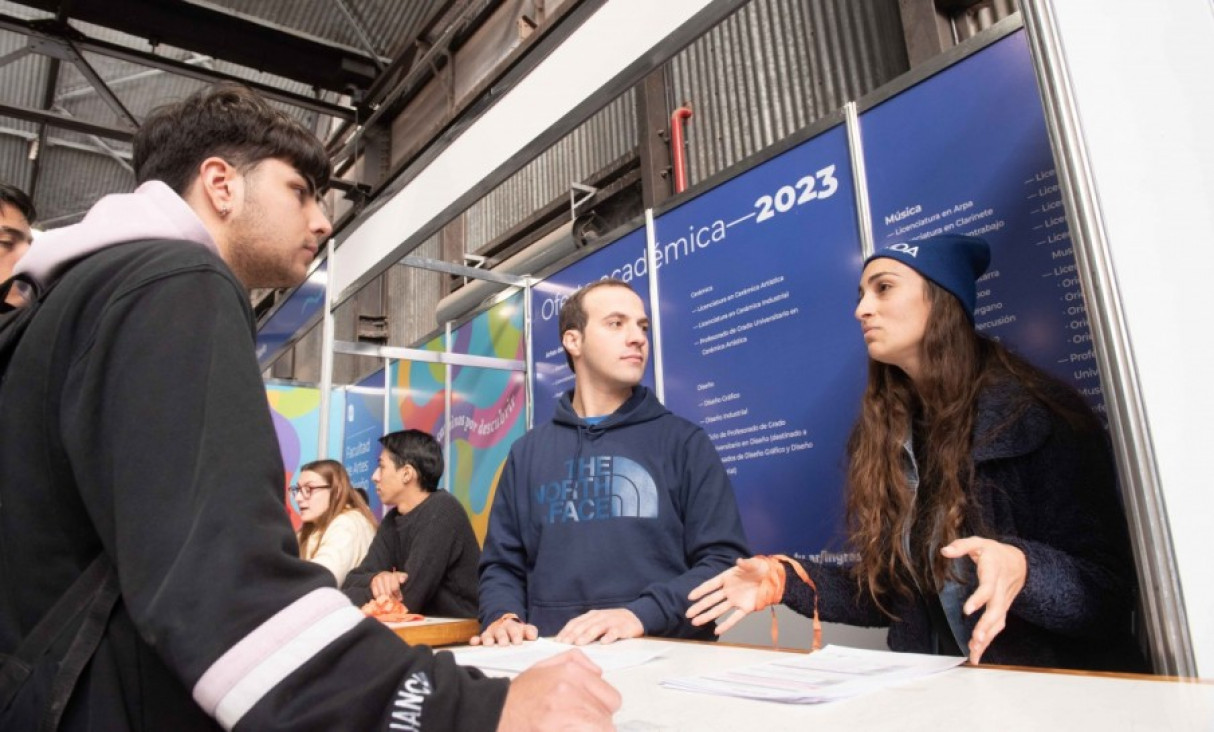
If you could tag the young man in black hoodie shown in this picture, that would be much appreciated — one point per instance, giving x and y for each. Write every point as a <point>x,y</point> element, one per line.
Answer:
<point>16,215</point>
<point>142,481</point>
<point>605,518</point>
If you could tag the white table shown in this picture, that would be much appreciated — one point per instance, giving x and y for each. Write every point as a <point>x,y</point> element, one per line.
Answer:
<point>966,699</point>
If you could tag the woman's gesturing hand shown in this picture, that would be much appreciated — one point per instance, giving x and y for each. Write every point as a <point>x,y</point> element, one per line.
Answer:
<point>737,588</point>
<point>1002,570</point>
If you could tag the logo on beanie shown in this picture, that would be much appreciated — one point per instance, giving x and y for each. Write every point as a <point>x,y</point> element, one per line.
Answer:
<point>904,248</point>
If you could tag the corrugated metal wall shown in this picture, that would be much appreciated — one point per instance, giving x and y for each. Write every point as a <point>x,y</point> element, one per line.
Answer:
<point>769,70</point>
<point>406,295</point>
<point>97,175</point>
<point>604,138</point>
<point>982,16</point>
<point>387,26</point>
<point>774,67</point>
<point>22,81</point>
<point>412,296</point>
<point>455,78</point>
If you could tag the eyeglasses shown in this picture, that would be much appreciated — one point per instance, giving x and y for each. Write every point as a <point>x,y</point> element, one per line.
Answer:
<point>306,490</point>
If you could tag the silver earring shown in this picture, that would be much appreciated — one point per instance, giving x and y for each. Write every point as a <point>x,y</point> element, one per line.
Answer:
<point>223,212</point>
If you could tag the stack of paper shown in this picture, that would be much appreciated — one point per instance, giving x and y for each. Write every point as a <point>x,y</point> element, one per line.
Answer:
<point>835,672</point>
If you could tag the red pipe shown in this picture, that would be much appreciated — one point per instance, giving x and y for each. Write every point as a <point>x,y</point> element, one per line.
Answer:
<point>678,155</point>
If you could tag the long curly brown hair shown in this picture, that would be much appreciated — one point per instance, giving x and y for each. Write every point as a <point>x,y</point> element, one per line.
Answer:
<point>342,497</point>
<point>956,365</point>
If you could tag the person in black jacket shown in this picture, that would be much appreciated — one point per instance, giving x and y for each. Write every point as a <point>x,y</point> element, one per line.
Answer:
<point>982,499</point>
<point>16,215</point>
<point>139,459</point>
<point>425,551</point>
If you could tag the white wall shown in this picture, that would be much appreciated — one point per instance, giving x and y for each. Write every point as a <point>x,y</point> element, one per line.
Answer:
<point>1143,80</point>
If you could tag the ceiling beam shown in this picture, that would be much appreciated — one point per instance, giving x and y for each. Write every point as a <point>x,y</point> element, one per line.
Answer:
<point>42,116</point>
<point>363,38</point>
<point>342,147</point>
<point>118,156</point>
<point>36,29</point>
<point>123,155</point>
<point>49,82</point>
<point>237,38</point>
<point>63,50</point>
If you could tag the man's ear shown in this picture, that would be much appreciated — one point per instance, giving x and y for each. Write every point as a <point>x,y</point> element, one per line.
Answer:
<point>220,185</point>
<point>572,341</point>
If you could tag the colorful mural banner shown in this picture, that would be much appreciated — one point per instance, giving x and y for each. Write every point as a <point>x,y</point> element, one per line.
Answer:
<point>295,411</point>
<point>488,406</point>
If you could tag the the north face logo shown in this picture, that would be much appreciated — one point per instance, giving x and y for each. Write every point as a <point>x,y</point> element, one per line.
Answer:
<point>599,488</point>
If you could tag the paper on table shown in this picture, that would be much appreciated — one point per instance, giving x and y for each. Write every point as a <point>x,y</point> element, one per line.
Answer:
<point>521,657</point>
<point>835,672</point>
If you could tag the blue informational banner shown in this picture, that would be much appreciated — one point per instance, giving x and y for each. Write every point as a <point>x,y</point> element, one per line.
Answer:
<point>623,259</point>
<point>289,319</point>
<point>966,151</point>
<point>364,425</point>
<point>760,346</point>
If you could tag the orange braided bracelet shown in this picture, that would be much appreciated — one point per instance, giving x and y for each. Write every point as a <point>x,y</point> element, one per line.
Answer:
<point>771,592</point>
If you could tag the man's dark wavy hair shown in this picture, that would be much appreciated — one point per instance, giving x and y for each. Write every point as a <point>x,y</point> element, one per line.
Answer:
<point>228,121</point>
<point>17,198</point>
<point>419,449</point>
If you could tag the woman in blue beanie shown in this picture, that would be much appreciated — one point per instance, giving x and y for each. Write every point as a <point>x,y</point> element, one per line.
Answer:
<point>982,500</point>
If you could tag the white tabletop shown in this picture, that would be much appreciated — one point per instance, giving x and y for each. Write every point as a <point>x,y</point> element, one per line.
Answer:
<point>965,698</point>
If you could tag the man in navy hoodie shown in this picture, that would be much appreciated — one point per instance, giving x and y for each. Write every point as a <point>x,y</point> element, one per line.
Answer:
<point>606,517</point>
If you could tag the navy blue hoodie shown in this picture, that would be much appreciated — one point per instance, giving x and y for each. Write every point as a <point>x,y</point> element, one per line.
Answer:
<point>632,512</point>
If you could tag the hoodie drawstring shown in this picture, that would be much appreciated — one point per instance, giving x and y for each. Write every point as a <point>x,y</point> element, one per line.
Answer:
<point>586,433</point>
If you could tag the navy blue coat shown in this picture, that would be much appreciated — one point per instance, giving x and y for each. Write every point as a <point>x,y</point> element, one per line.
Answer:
<point>1050,490</point>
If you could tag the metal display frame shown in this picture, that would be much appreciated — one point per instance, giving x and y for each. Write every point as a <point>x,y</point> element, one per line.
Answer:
<point>1164,618</point>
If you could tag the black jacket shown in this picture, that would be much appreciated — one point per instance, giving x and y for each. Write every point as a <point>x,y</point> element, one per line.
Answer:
<point>435,545</point>
<point>134,423</point>
<point>1049,490</point>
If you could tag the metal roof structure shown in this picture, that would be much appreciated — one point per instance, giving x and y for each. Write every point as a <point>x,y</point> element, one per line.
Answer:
<point>77,76</point>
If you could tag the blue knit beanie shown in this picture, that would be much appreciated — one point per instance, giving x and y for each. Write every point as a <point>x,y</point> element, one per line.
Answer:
<point>953,261</point>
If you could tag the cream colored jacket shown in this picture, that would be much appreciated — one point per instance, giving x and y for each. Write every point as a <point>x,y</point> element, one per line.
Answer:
<point>343,545</point>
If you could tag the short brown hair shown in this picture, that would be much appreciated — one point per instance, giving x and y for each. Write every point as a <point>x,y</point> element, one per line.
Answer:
<point>573,315</point>
<point>228,121</point>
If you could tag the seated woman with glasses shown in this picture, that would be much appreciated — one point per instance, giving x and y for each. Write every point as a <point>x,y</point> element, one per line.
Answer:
<point>337,525</point>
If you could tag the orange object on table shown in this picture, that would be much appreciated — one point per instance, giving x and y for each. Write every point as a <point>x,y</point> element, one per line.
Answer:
<point>389,610</point>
